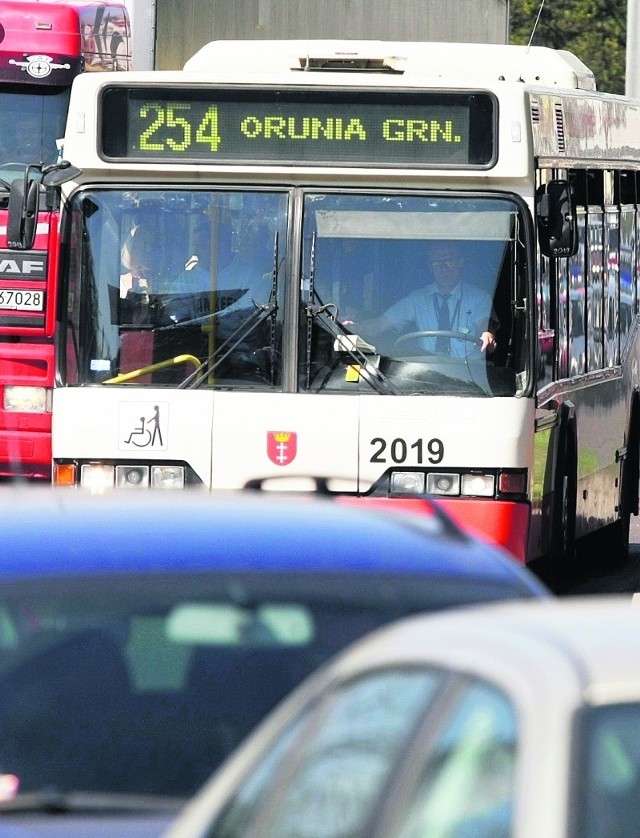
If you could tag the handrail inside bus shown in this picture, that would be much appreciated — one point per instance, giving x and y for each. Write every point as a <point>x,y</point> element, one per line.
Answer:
<point>160,365</point>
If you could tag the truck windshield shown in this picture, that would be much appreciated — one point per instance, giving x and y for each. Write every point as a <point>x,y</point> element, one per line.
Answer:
<point>32,126</point>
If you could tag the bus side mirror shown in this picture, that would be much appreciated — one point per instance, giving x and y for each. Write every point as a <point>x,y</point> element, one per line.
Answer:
<point>23,213</point>
<point>556,216</point>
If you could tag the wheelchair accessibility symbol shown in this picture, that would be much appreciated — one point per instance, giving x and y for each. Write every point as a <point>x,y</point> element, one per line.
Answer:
<point>143,425</point>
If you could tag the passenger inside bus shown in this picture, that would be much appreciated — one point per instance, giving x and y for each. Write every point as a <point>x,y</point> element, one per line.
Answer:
<point>445,316</point>
<point>171,304</point>
<point>159,283</point>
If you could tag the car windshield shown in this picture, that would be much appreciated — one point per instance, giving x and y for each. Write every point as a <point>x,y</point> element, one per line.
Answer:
<point>609,791</point>
<point>142,684</point>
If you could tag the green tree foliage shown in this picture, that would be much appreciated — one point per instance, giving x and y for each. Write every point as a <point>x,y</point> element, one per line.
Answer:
<point>594,30</point>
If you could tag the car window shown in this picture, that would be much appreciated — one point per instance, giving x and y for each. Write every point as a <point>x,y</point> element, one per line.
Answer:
<point>331,775</point>
<point>609,789</point>
<point>466,786</point>
<point>168,672</point>
<point>143,690</point>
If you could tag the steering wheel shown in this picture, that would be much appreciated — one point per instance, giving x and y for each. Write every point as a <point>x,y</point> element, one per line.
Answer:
<point>438,333</point>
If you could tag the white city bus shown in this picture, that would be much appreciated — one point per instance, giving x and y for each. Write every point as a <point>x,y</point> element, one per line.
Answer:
<point>242,228</point>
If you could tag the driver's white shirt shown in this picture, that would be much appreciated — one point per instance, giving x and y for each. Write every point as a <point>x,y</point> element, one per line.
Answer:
<point>469,307</point>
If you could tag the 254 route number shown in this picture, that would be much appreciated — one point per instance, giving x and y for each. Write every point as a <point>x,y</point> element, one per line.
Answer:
<point>400,450</point>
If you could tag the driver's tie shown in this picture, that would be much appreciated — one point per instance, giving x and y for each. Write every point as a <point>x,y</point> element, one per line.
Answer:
<point>443,345</point>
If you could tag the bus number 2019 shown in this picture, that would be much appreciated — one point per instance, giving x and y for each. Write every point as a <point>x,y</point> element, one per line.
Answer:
<point>399,450</point>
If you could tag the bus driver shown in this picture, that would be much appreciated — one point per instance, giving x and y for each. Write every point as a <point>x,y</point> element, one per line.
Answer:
<point>449,304</point>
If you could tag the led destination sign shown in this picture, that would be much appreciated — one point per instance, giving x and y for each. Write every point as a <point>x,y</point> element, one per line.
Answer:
<point>320,127</point>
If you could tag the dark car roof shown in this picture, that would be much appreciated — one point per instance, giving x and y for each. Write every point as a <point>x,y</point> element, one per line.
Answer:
<point>55,531</point>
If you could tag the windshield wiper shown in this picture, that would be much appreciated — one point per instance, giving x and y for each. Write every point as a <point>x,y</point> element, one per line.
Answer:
<point>54,801</point>
<point>222,352</point>
<point>260,313</point>
<point>325,315</point>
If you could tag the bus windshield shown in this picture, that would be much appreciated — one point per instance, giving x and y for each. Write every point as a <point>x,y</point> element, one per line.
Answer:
<point>33,121</point>
<point>415,281</point>
<point>187,288</point>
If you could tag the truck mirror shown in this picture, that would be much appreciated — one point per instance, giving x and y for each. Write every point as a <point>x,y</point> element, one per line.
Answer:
<point>556,217</point>
<point>22,214</point>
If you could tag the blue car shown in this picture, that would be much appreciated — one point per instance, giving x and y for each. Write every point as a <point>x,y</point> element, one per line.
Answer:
<point>142,637</point>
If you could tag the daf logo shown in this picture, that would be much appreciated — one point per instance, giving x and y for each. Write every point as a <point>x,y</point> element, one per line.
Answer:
<point>33,265</point>
<point>28,267</point>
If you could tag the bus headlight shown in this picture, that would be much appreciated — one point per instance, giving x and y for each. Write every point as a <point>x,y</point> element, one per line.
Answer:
<point>100,476</point>
<point>501,484</point>
<point>27,399</point>
<point>479,485</point>
<point>443,483</point>
<point>407,483</point>
<point>96,477</point>
<point>167,477</point>
<point>132,477</point>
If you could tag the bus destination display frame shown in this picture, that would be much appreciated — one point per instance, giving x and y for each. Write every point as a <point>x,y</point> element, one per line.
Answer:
<point>299,126</point>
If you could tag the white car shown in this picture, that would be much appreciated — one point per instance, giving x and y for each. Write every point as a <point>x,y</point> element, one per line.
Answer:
<point>518,719</point>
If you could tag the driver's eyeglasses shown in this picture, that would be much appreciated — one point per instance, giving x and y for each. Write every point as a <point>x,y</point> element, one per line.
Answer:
<point>444,263</point>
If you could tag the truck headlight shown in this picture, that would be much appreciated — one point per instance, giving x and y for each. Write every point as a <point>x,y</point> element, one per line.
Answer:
<point>27,399</point>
